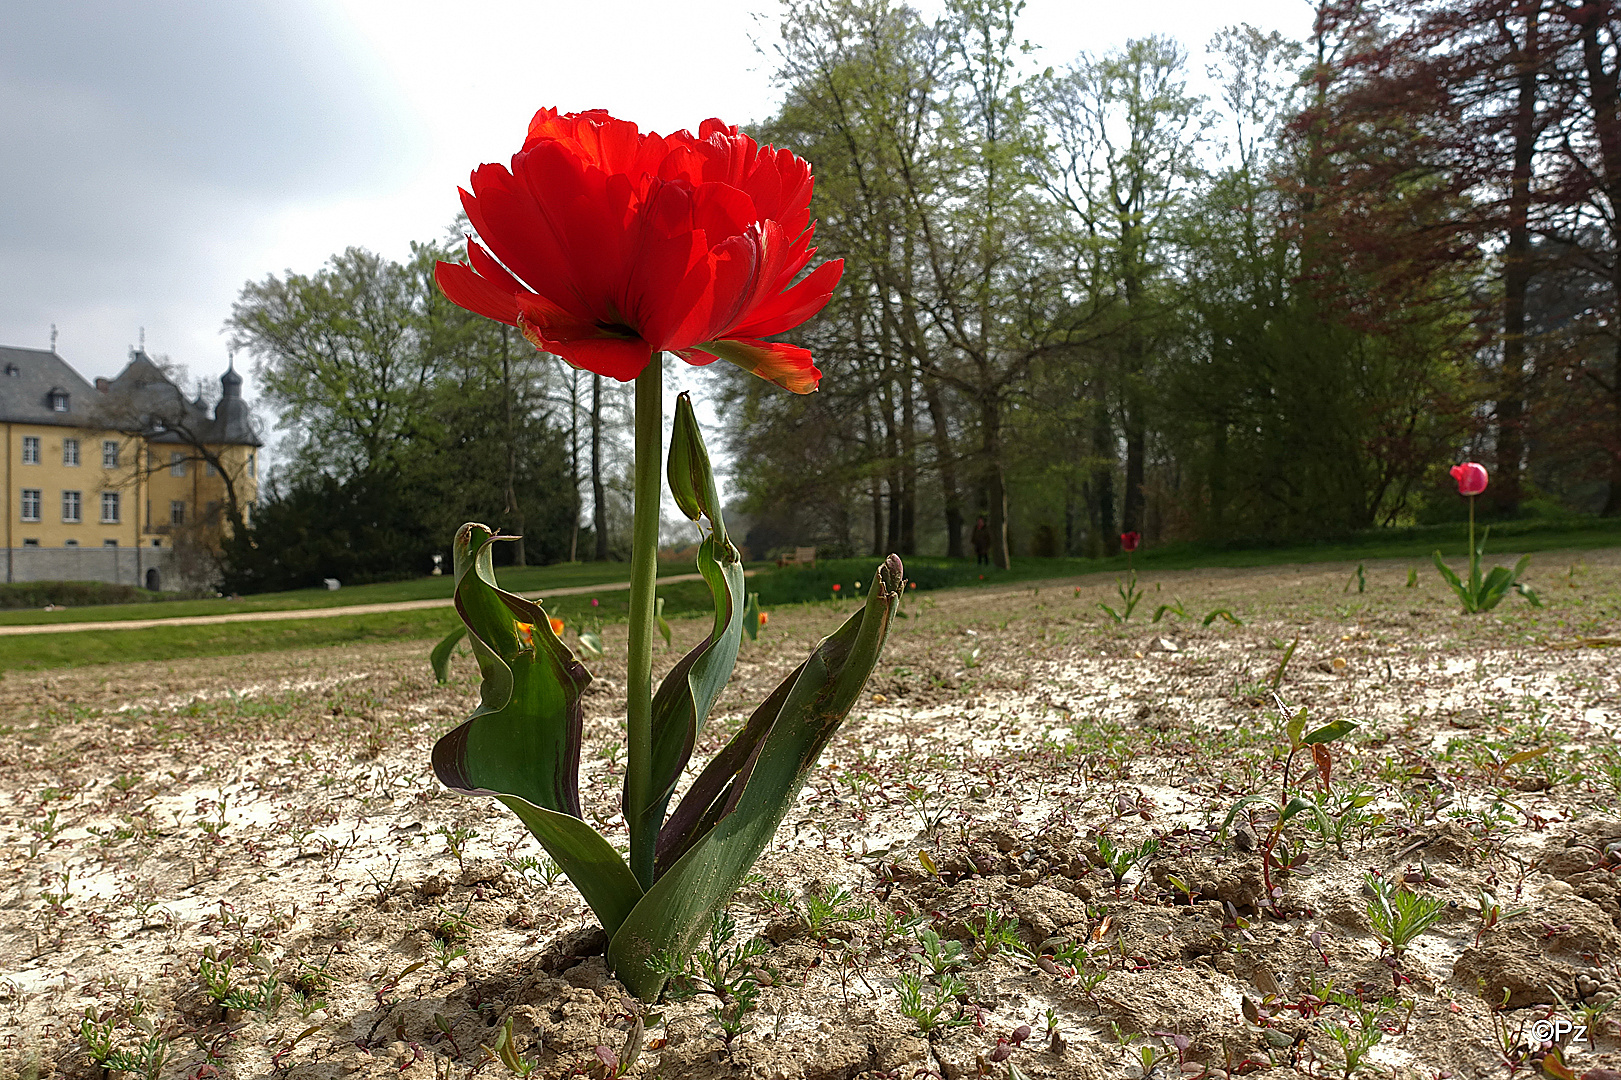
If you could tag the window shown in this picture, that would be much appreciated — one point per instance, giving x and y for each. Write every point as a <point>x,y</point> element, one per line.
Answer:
<point>59,401</point>
<point>157,543</point>
<point>211,470</point>
<point>109,508</point>
<point>31,542</point>
<point>70,451</point>
<point>31,501</point>
<point>109,543</point>
<point>72,507</point>
<point>253,465</point>
<point>30,449</point>
<point>70,543</point>
<point>177,512</point>
<point>177,464</point>
<point>109,454</point>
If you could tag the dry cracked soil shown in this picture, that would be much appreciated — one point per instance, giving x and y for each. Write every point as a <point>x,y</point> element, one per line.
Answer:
<point>1044,845</point>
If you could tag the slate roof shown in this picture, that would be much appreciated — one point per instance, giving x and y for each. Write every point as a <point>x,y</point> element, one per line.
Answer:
<point>141,395</point>
<point>27,379</point>
<point>142,392</point>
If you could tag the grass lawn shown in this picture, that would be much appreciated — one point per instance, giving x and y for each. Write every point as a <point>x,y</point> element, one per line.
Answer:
<point>525,579</point>
<point>776,588</point>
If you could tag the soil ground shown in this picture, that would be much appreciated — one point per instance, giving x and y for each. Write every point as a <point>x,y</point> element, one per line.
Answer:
<point>244,867</point>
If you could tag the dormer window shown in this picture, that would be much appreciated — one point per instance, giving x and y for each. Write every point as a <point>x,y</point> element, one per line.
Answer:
<point>59,400</point>
<point>13,369</point>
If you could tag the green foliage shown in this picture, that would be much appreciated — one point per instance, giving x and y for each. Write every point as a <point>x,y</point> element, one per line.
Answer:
<point>36,594</point>
<point>1478,593</point>
<point>359,531</point>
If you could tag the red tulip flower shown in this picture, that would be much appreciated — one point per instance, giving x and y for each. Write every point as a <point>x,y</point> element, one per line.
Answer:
<point>1129,541</point>
<point>1471,478</point>
<point>604,244</point>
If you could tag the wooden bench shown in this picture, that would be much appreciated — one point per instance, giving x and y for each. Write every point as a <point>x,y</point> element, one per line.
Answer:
<point>802,556</point>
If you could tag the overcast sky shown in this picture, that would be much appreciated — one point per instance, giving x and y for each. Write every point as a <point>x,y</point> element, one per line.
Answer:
<point>157,154</point>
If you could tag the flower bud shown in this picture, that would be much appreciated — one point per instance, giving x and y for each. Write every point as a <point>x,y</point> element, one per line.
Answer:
<point>1471,478</point>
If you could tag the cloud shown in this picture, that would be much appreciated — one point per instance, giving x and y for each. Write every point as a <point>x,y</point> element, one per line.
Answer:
<point>141,140</point>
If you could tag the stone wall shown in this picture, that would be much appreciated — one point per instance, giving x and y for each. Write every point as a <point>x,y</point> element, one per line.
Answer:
<point>117,565</point>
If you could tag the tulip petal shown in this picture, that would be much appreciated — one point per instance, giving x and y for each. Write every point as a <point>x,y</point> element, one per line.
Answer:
<point>789,366</point>
<point>475,293</point>
<point>792,307</point>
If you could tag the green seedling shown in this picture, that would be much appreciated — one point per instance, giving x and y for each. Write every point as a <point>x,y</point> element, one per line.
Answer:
<point>1275,852</point>
<point>722,969</point>
<point>1492,912</point>
<point>940,956</point>
<point>932,1008</point>
<point>1399,915</point>
<point>1120,861</point>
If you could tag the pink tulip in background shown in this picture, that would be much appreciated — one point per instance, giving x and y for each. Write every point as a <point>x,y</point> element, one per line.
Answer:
<point>1471,478</point>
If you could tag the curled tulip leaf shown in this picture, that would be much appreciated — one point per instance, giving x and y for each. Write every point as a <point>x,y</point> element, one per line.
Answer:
<point>440,657</point>
<point>733,809</point>
<point>522,744</point>
<point>659,619</point>
<point>751,616</point>
<point>688,693</point>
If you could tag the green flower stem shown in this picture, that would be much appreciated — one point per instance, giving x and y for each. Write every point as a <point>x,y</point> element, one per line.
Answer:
<point>1474,555</point>
<point>644,553</point>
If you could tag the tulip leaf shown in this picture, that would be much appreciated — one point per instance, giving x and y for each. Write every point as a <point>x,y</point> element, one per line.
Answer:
<point>440,657</point>
<point>590,862</point>
<point>661,621</point>
<point>768,761</point>
<point>522,744</point>
<point>751,616</point>
<point>688,692</point>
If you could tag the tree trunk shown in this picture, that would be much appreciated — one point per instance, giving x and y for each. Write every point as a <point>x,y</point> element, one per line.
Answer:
<point>1105,540</point>
<point>945,462</point>
<point>908,471</point>
<point>599,508</point>
<point>1605,103</point>
<point>1517,279</point>
<point>574,460</point>
<point>514,512</point>
<point>990,422</point>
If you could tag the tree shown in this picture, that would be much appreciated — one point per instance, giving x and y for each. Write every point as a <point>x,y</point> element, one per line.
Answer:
<point>388,386</point>
<point>1124,133</point>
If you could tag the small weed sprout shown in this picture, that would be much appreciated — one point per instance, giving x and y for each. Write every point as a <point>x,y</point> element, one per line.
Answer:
<point>1492,912</point>
<point>936,1010</point>
<point>1121,861</point>
<point>1399,915</point>
<point>1355,1042</point>
<point>825,913</point>
<point>997,934</point>
<point>456,840</point>
<point>146,1060</point>
<point>940,957</point>
<point>720,968</point>
<point>507,1054</point>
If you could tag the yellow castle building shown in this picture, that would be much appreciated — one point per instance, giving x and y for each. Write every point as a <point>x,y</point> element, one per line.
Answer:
<point>105,482</point>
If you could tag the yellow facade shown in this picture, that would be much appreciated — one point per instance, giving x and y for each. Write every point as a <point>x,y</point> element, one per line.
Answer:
<point>127,464</point>
<point>150,489</point>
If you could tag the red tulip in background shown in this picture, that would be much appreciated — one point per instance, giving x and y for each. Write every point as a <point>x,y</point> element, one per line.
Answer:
<point>1471,478</point>
<point>1129,541</point>
<point>604,244</point>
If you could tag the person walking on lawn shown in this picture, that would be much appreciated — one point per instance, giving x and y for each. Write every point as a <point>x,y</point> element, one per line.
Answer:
<point>981,540</point>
